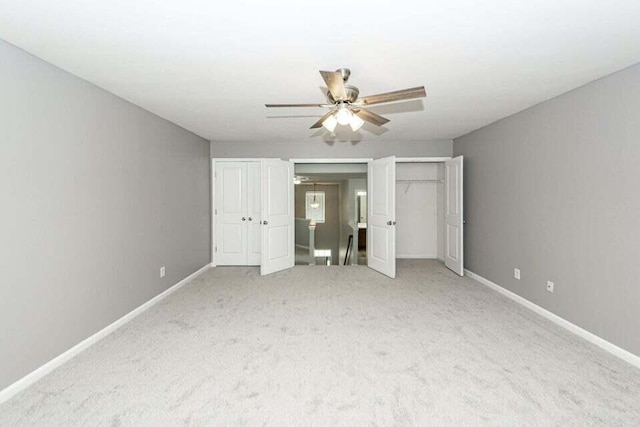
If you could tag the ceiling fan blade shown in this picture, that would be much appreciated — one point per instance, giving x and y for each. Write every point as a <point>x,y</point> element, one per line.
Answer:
<point>335,83</point>
<point>322,119</point>
<point>414,92</point>
<point>297,105</point>
<point>370,117</point>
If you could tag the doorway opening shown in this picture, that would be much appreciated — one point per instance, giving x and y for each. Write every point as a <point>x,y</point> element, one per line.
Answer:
<point>330,214</point>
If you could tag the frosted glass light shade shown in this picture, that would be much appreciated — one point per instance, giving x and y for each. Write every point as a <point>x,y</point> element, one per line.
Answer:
<point>344,116</point>
<point>330,123</point>
<point>355,122</point>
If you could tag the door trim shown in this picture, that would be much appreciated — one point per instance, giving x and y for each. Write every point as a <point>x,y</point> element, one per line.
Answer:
<point>422,159</point>
<point>332,160</point>
<point>368,159</point>
<point>212,180</point>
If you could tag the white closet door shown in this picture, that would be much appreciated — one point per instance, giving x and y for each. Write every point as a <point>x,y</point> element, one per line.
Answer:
<point>381,233</point>
<point>254,213</point>
<point>454,231</point>
<point>231,229</point>
<point>277,216</point>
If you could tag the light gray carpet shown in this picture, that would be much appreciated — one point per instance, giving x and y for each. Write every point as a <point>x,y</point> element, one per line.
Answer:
<point>335,346</point>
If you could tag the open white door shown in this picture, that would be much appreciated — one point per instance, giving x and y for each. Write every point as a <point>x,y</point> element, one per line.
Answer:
<point>381,231</point>
<point>277,216</point>
<point>454,233</point>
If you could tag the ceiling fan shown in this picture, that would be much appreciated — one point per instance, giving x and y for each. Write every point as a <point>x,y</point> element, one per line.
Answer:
<point>346,105</point>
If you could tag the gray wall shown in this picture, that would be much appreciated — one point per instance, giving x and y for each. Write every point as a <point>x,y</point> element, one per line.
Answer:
<point>96,195</point>
<point>317,148</point>
<point>555,191</point>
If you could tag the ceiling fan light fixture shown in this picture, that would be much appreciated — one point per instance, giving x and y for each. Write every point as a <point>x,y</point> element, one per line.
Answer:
<point>342,97</point>
<point>355,122</point>
<point>343,115</point>
<point>330,123</point>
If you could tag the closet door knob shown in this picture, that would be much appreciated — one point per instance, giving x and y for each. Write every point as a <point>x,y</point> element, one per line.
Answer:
<point>250,219</point>
<point>265,222</point>
<point>244,219</point>
<point>389,223</point>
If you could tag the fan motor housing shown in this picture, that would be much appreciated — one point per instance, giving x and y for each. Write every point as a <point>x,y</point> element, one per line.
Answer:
<point>352,94</point>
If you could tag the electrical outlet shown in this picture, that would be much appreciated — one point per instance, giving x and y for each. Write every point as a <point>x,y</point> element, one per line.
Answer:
<point>162,271</point>
<point>549,285</point>
<point>516,273</point>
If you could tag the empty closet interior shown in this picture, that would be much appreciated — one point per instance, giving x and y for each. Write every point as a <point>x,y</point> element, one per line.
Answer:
<point>420,210</point>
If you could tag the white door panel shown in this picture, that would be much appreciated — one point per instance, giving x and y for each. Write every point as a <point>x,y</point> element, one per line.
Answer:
<point>277,216</point>
<point>454,231</point>
<point>278,199</point>
<point>231,230</point>
<point>232,244</point>
<point>379,247</point>
<point>278,237</point>
<point>232,183</point>
<point>381,235</point>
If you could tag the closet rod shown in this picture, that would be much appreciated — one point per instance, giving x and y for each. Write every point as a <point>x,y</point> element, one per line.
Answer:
<point>419,180</point>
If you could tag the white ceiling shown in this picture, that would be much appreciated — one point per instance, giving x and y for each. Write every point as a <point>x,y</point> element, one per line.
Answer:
<point>210,66</point>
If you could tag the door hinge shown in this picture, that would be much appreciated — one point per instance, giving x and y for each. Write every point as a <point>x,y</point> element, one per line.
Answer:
<point>215,211</point>
<point>216,249</point>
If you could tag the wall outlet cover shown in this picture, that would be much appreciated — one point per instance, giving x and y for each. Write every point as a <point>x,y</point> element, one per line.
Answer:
<point>516,273</point>
<point>162,271</point>
<point>550,285</point>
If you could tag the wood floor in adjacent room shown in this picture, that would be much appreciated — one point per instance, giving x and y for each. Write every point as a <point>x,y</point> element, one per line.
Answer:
<point>335,346</point>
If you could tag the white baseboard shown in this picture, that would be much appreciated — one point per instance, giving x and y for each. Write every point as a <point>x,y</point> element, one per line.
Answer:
<point>416,256</point>
<point>43,370</point>
<point>592,338</point>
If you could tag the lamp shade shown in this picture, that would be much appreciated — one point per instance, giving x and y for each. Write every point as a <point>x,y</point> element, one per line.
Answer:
<point>330,123</point>
<point>343,115</point>
<point>355,122</point>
